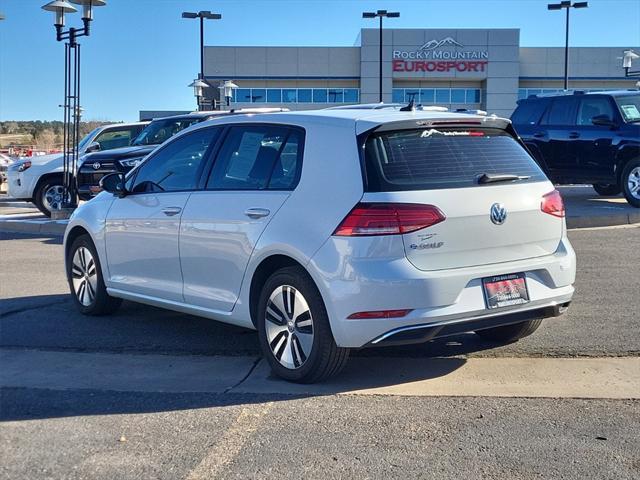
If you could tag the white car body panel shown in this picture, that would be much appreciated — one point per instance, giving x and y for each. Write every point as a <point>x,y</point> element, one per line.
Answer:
<point>218,249</point>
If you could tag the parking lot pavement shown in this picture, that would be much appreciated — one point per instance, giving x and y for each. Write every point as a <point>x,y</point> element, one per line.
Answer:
<point>148,393</point>
<point>585,208</point>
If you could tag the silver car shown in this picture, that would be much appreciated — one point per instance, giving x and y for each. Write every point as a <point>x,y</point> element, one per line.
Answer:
<point>332,230</point>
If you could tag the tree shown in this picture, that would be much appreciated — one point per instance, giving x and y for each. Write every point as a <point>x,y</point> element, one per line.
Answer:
<point>46,139</point>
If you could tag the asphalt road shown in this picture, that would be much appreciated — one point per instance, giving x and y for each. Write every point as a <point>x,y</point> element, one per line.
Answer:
<point>101,433</point>
<point>37,312</point>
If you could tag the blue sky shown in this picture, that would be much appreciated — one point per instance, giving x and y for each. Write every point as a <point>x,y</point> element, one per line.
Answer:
<point>142,55</point>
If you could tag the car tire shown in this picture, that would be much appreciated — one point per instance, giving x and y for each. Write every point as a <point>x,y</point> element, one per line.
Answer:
<point>630,181</point>
<point>510,333</point>
<point>49,194</point>
<point>294,331</point>
<point>606,189</point>
<point>84,274</point>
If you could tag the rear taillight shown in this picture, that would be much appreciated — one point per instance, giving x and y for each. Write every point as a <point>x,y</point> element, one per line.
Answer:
<point>368,219</point>
<point>552,204</point>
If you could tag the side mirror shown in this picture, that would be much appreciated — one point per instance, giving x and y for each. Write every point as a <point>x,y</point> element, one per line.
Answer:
<point>114,183</point>
<point>93,147</point>
<point>603,121</point>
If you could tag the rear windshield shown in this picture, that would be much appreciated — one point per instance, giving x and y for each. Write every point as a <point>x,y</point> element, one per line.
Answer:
<point>528,112</point>
<point>443,158</point>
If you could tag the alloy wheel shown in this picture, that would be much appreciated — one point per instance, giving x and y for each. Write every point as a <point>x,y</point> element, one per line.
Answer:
<point>633,182</point>
<point>84,276</point>
<point>53,197</point>
<point>289,326</point>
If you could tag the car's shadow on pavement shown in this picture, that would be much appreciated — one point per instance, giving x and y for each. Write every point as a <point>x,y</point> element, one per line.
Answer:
<point>51,325</point>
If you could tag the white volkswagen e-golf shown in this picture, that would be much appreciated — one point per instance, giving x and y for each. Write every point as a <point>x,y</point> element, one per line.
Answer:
<point>332,230</point>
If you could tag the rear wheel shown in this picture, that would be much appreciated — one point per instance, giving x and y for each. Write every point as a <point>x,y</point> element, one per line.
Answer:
<point>293,328</point>
<point>630,182</point>
<point>49,195</point>
<point>606,189</point>
<point>510,333</point>
<point>84,275</point>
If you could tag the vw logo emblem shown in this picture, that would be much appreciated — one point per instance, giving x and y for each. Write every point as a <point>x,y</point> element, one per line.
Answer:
<point>96,166</point>
<point>498,213</point>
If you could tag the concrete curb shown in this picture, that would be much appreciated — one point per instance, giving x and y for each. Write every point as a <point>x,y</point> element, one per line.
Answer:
<point>34,227</point>
<point>630,218</point>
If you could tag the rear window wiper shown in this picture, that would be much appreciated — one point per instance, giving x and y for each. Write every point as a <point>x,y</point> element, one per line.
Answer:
<point>496,177</point>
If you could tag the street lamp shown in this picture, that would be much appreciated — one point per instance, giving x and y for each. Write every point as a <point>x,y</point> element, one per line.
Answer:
<point>380,14</point>
<point>202,15</point>
<point>630,56</point>
<point>567,5</point>
<point>198,90</point>
<point>72,109</point>
<point>226,91</point>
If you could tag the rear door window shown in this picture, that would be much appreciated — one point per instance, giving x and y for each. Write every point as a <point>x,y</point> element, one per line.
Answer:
<point>258,157</point>
<point>443,158</point>
<point>562,112</point>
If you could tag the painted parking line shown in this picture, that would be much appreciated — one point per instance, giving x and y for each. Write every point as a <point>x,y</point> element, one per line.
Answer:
<point>598,378</point>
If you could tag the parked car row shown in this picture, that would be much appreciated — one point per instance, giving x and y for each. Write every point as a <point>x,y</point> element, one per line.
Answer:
<point>39,179</point>
<point>331,230</point>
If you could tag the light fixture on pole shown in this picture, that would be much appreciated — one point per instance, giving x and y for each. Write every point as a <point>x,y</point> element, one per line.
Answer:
<point>380,14</point>
<point>198,91</point>
<point>202,16</point>
<point>226,91</point>
<point>567,5</point>
<point>72,109</point>
<point>628,57</point>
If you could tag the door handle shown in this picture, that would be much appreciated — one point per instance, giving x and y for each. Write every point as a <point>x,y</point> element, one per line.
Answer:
<point>540,134</point>
<point>574,135</point>
<point>171,211</point>
<point>256,212</point>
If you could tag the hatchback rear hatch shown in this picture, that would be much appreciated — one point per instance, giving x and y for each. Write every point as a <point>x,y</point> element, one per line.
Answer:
<point>460,195</point>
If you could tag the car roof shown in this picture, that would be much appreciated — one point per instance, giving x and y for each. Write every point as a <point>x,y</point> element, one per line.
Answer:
<point>612,93</point>
<point>367,119</point>
<point>221,113</point>
<point>125,124</point>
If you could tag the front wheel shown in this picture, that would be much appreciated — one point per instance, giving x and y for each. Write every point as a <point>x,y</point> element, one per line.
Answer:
<point>84,275</point>
<point>293,329</point>
<point>49,195</point>
<point>630,181</point>
<point>607,189</point>
<point>510,333</point>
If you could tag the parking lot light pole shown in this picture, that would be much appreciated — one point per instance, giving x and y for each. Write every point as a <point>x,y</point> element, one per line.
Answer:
<point>567,5</point>
<point>202,16</point>
<point>226,90</point>
<point>628,57</point>
<point>72,109</point>
<point>198,88</point>
<point>380,14</point>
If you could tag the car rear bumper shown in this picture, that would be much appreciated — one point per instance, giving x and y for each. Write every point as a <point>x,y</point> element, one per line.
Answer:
<point>355,277</point>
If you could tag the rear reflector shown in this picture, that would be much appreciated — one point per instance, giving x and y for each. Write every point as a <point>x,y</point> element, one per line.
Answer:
<point>552,204</point>
<point>368,219</point>
<point>379,314</point>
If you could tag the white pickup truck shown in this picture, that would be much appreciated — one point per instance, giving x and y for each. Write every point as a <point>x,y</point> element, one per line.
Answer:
<point>40,179</point>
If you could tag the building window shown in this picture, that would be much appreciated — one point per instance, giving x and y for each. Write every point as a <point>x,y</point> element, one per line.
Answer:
<point>427,95</point>
<point>258,95</point>
<point>243,95</point>
<point>397,95</point>
<point>443,95</point>
<point>351,95</point>
<point>473,95</point>
<point>336,95</point>
<point>274,95</point>
<point>319,95</point>
<point>289,95</point>
<point>458,95</point>
<point>304,95</point>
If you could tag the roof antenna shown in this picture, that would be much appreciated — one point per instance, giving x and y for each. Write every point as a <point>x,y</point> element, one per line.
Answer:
<point>409,108</point>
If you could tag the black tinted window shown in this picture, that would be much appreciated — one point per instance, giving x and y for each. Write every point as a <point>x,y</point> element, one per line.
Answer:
<point>592,107</point>
<point>116,138</point>
<point>528,112</point>
<point>257,158</point>
<point>561,112</point>
<point>443,158</point>
<point>177,165</point>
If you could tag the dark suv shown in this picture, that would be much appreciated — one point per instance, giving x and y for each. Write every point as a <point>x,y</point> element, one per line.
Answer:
<point>94,166</point>
<point>585,138</point>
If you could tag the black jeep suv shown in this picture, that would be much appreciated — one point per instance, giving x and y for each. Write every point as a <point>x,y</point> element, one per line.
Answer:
<point>585,138</point>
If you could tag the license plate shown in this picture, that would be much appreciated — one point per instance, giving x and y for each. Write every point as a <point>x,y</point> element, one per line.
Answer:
<point>505,290</point>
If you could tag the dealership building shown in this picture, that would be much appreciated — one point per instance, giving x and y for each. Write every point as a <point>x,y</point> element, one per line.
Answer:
<point>465,68</point>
